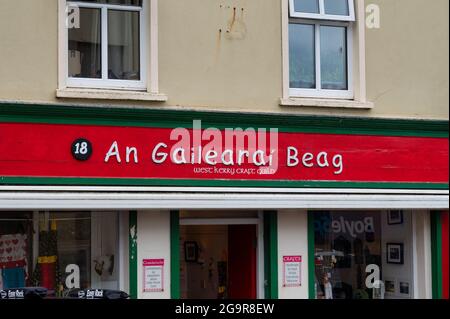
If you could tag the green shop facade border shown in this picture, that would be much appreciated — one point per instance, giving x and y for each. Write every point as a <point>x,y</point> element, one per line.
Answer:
<point>163,118</point>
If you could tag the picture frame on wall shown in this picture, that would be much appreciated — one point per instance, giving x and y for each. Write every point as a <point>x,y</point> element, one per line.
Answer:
<point>395,253</point>
<point>395,217</point>
<point>190,251</point>
<point>404,288</point>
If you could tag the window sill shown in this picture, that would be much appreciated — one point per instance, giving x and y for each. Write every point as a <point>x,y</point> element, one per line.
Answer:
<point>98,94</point>
<point>333,103</point>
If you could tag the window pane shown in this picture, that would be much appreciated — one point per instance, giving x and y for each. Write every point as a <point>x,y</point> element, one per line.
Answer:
<point>302,56</point>
<point>333,57</point>
<point>85,55</point>
<point>119,2</point>
<point>74,244</point>
<point>123,45</point>
<point>337,7</point>
<point>307,6</point>
<point>345,244</point>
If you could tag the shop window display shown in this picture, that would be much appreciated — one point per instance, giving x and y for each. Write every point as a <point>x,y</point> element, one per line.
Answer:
<point>352,255</point>
<point>59,251</point>
<point>15,253</point>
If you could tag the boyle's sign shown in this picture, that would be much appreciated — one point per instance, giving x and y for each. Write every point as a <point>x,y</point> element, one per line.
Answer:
<point>163,156</point>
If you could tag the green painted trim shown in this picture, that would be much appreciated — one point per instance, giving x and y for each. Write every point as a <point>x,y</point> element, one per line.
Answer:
<point>436,251</point>
<point>311,257</point>
<point>133,269</point>
<point>271,254</point>
<point>164,118</point>
<point>209,183</point>
<point>175,255</point>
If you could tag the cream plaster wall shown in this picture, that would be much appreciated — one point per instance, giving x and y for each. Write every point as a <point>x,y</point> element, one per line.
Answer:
<point>293,241</point>
<point>153,242</point>
<point>201,67</point>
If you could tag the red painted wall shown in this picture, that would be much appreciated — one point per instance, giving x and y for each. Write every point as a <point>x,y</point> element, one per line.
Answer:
<point>445,253</point>
<point>242,261</point>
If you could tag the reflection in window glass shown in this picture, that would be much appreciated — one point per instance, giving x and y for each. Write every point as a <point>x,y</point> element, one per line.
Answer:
<point>302,56</point>
<point>336,7</point>
<point>72,250</point>
<point>345,243</point>
<point>333,57</point>
<point>85,55</point>
<point>123,45</point>
<point>306,6</point>
<point>74,244</point>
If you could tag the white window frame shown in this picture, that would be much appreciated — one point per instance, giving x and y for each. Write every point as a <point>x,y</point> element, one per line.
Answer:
<point>318,92</point>
<point>322,15</point>
<point>128,85</point>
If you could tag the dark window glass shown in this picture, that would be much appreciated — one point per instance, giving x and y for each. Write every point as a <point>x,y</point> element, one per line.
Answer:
<point>123,45</point>
<point>85,48</point>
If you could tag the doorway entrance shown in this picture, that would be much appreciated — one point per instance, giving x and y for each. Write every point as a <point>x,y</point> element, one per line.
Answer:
<point>219,258</point>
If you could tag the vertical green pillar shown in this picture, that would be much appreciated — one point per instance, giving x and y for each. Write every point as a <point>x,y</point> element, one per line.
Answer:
<point>311,256</point>
<point>175,255</point>
<point>436,254</point>
<point>271,254</point>
<point>132,240</point>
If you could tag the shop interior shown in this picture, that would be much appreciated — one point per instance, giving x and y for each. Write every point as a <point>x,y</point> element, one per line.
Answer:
<point>60,251</point>
<point>351,245</point>
<point>218,255</point>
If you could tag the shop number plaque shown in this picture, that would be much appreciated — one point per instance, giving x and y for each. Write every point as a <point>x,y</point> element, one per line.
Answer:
<point>81,149</point>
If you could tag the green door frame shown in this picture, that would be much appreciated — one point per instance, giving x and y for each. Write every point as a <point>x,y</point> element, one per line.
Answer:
<point>311,257</point>
<point>133,254</point>
<point>175,255</point>
<point>436,254</point>
<point>271,254</point>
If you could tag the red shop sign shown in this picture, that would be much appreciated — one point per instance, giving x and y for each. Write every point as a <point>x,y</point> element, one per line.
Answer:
<point>152,154</point>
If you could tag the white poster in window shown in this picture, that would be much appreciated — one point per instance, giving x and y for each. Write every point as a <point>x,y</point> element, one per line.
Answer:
<point>292,271</point>
<point>153,275</point>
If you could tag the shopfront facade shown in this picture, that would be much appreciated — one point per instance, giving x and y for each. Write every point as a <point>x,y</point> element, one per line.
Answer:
<point>319,208</point>
<point>225,149</point>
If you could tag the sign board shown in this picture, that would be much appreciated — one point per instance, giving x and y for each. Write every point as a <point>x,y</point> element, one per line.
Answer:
<point>164,156</point>
<point>153,275</point>
<point>292,271</point>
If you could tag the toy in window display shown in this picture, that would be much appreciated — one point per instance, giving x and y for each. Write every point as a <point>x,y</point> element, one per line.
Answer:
<point>327,286</point>
<point>325,268</point>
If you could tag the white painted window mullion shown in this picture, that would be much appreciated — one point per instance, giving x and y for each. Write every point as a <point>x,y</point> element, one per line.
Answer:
<point>322,7</point>
<point>349,61</point>
<point>104,43</point>
<point>318,64</point>
<point>103,5</point>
